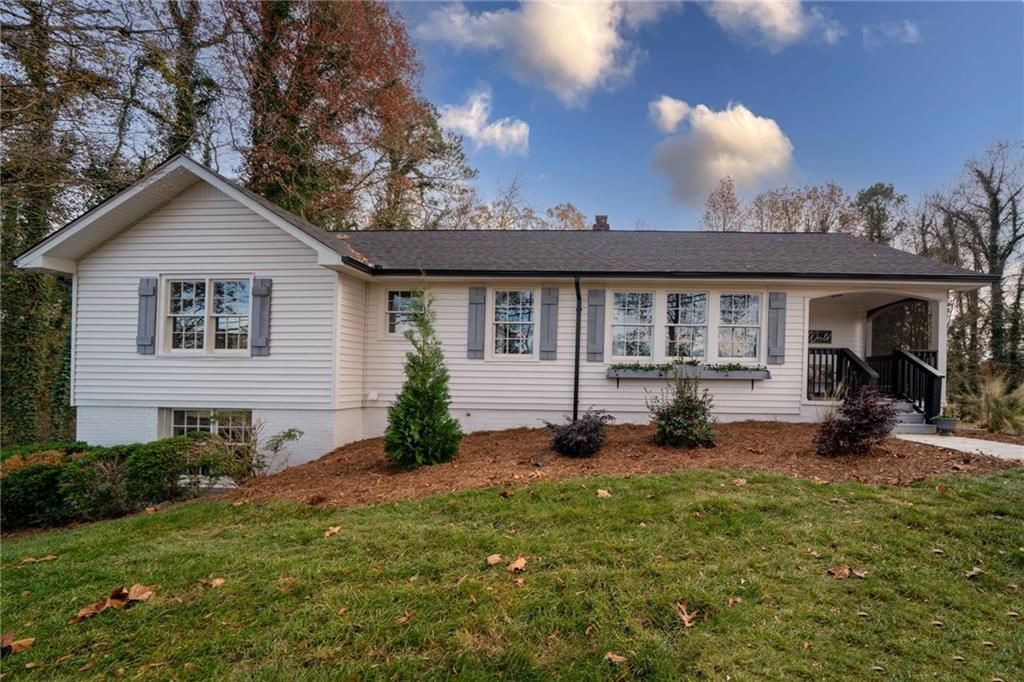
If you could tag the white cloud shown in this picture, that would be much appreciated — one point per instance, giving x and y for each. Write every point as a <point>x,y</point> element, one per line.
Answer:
<point>569,48</point>
<point>734,141</point>
<point>472,120</point>
<point>668,112</point>
<point>775,24</point>
<point>906,32</point>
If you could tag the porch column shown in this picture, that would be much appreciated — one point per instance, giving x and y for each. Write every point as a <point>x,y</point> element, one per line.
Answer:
<point>938,312</point>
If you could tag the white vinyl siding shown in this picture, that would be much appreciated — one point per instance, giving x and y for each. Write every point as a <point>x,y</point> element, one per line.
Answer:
<point>352,328</point>
<point>202,232</point>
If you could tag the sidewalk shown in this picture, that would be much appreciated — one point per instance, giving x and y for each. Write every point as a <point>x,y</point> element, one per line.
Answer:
<point>975,446</point>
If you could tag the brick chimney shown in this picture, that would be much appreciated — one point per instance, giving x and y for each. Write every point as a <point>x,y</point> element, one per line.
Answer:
<point>601,223</point>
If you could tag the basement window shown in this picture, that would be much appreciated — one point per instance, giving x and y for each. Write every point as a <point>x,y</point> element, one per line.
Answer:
<point>234,426</point>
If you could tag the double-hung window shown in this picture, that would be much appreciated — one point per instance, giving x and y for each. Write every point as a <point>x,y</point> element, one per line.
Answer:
<point>632,324</point>
<point>686,325</point>
<point>513,322</point>
<point>234,426</point>
<point>400,309</point>
<point>208,314</point>
<point>739,325</point>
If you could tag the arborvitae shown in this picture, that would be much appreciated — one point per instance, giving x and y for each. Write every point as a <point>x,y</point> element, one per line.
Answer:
<point>420,430</point>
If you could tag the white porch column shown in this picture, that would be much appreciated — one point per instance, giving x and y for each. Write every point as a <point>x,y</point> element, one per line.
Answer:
<point>939,313</point>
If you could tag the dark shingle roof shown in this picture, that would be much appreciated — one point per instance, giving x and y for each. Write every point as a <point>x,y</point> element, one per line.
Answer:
<point>738,254</point>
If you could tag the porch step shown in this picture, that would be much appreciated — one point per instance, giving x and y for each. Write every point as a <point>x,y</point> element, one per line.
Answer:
<point>910,418</point>
<point>914,428</point>
<point>901,406</point>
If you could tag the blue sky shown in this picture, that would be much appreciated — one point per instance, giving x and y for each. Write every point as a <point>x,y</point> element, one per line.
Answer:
<point>774,93</point>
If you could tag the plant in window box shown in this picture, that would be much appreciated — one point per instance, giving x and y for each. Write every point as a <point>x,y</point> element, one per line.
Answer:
<point>420,430</point>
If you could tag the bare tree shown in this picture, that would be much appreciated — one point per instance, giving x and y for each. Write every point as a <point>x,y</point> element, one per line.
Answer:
<point>722,210</point>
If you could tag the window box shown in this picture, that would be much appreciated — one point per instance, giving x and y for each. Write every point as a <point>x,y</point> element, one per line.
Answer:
<point>706,372</point>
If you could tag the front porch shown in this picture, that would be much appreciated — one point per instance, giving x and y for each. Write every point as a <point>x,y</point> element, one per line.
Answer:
<point>884,339</point>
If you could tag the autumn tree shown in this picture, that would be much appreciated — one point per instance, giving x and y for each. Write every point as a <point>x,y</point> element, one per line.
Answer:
<point>881,211</point>
<point>985,209</point>
<point>722,210</point>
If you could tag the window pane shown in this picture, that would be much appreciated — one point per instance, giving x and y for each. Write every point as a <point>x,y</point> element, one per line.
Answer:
<point>399,310</point>
<point>740,308</point>
<point>513,322</point>
<point>686,342</point>
<point>738,342</point>
<point>231,297</point>
<point>636,308</point>
<point>631,340</point>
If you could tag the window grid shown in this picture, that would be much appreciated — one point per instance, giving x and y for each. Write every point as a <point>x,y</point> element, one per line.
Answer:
<point>686,325</point>
<point>513,322</point>
<point>632,324</point>
<point>192,322</point>
<point>399,308</point>
<point>739,328</point>
<point>188,314</point>
<point>234,426</point>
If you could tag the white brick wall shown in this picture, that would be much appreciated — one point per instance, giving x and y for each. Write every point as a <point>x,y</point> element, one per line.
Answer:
<point>118,425</point>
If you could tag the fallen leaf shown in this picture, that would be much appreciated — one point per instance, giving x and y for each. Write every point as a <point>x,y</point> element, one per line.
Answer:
<point>615,658</point>
<point>118,599</point>
<point>857,573</point>
<point>1013,614</point>
<point>938,624</point>
<point>216,582</point>
<point>85,666</point>
<point>863,614</point>
<point>601,492</point>
<point>494,560</point>
<point>739,481</point>
<point>589,631</point>
<point>139,592</point>
<point>519,582</point>
<point>150,510</point>
<point>988,643</point>
<point>342,610</point>
<point>689,618</point>
<point>9,645</point>
<point>958,659</point>
<point>733,601</point>
<point>403,619</point>
<point>936,550</point>
<point>331,531</point>
<point>518,565</point>
<point>878,669</point>
<point>974,572</point>
<point>33,560</point>
<point>840,572</point>
<point>807,645</point>
<point>942,488</point>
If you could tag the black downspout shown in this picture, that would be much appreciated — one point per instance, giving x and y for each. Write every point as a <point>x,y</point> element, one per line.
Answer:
<point>576,367</point>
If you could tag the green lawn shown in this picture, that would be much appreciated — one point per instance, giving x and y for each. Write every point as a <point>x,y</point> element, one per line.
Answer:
<point>602,574</point>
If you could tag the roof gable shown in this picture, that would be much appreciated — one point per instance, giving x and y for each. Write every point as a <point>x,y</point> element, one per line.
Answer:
<point>59,251</point>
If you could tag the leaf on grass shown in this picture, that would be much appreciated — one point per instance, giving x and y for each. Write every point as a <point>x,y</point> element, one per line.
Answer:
<point>520,582</point>
<point>988,643</point>
<point>936,550</point>
<point>518,565</point>
<point>938,624</point>
<point>494,560</point>
<point>843,571</point>
<point>216,582</point>
<point>118,599</point>
<point>590,630</point>
<point>688,617</point>
<point>739,481</point>
<point>733,601</point>
<point>974,572</point>
<point>405,618</point>
<point>33,560</point>
<point>601,492</point>
<point>331,531</point>
<point>958,659</point>
<point>9,645</point>
<point>150,510</point>
<point>615,658</point>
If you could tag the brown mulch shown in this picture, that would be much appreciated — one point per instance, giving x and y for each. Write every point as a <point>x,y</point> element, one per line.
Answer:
<point>360,474</point>
<point>1015,439</point>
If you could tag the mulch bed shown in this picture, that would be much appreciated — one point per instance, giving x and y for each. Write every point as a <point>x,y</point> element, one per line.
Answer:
<point>360,473</point>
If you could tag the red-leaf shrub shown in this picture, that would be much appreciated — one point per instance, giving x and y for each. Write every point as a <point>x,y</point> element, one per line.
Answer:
<point>580,438</point>
<point>864,420</point>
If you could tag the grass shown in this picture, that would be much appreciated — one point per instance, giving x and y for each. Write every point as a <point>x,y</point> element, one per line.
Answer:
<point>602,575</point>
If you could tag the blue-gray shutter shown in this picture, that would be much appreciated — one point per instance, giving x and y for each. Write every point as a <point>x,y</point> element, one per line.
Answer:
<point>477,323</point>
<point>595,325</point>
<point>548,323</point>
<point>145,336</point>
<point>259,330</point>
<point>776,328</point>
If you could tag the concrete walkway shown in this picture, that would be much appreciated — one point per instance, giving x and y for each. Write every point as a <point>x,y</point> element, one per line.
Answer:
<point>975,446</point>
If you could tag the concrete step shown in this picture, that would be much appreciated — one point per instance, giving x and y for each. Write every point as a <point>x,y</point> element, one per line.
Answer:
<point>901,406</point>
<point>910,418</point>
<point>914,428</point>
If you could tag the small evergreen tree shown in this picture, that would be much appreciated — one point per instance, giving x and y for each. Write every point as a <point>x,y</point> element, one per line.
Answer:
<point>420,430</point>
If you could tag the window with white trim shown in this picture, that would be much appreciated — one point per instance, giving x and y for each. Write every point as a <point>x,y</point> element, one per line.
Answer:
<point>513,322</point>
<point>632,324</point>
<point>686,330</point>
<point>234,426</point>
<point>739,325</point>
<point>400,308</point>
<point>195,322</point>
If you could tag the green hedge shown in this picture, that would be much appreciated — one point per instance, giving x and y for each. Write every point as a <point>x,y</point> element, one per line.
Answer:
<point>101,482</point>
<point>67,448</point>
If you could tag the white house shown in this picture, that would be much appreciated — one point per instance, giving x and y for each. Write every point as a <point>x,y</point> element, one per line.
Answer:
<point>194,295</point>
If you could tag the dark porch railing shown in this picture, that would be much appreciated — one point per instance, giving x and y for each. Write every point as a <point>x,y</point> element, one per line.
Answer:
<point>911,375</point>
<point>834,370</point>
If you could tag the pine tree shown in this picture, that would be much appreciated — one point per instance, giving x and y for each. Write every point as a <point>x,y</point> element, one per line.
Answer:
<point>420,429</point>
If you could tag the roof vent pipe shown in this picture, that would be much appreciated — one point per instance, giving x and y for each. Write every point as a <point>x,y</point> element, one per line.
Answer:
<point>601,223</point>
